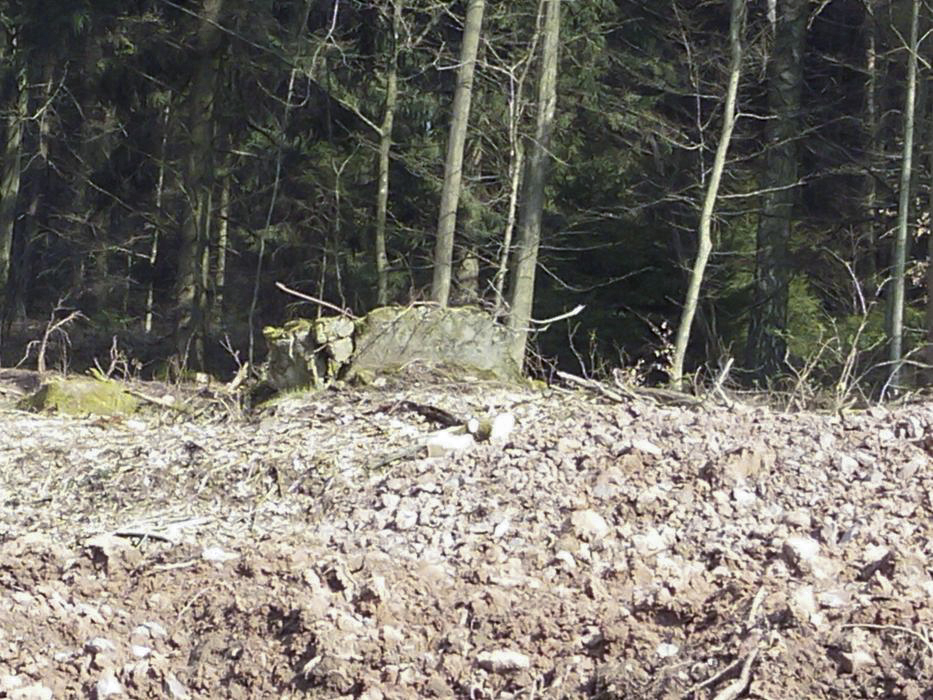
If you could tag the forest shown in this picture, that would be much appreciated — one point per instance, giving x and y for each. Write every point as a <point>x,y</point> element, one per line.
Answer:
<point>741,186</point>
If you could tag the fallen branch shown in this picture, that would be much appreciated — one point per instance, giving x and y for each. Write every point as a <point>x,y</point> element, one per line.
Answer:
<point>315,300</point>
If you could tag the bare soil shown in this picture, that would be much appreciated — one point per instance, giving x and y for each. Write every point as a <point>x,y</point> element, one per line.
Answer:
<point>603,550</point>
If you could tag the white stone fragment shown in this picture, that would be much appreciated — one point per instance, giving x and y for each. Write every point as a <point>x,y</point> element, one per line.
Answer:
<point>502,427</point>
<point>100,645</point>
<point>502,661</point>
<point>155,629</point>
<point>799,549</point>
<point>589,525</point>
<point>666,651</point>
<point>405,519</point>
<point>647,447</point>
<point>442,443</point>
<point>108,685</point>
<point>218,555</point>
<point>743,497</point>
<point>501,528</point>
<point>175,688</point>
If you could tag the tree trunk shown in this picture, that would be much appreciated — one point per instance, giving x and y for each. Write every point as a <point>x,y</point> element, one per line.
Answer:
<point>160,190</point>
<point>868,240</point>
<point>16,110</point>
<point>385,146</point>
<point>197,174</point>
<point>766,344</point>
<point>521,295</point>
<point>896,333</point>
<point>453,166</point>
<point>516,165</point>
<point>705,244</point>
<point>220,263</point>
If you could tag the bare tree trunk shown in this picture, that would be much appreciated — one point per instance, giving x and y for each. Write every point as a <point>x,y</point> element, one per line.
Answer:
<point>896,332</point>
<point>220,264</point>
<point>453,166</point>
<point>516,164</point>
<point>521,298</point>
<point>17,112</point>
<point>154,245</point>
<point>871,128</point>
<point>705,243</point>
<point>197,174</point>
<point>385,146</point>
<point>766,342</point>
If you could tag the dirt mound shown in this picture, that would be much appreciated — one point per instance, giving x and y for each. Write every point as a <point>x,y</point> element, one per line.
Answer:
<point>610,550</point>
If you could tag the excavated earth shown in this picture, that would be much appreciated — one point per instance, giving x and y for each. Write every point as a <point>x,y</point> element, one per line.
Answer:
<point>602,550</point>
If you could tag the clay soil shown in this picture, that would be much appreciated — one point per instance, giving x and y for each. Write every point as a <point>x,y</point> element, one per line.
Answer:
<point>604,549</point>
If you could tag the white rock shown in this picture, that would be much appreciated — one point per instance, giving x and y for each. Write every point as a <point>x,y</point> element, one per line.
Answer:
<point>799,549</point>
<point>140,651</point>
<point>442,443</point>
<point>390,501</point>
<point>100,645</point>
<point>501,528</point>
<point>847,465</point>
<point>566,558</point>
<point>667,650</point>
<point>502,427</point>
<point>405,519</point>
<point>218,555</point>
<point>502,661</point>
<point>647,447</point>
<point>175,688</point>
<point>108,685</point>
<point>155,629</point>
<point>854,661</point>
<point>798,518</point>
<point>589,525</point>
<point>803,603</point>
<point>743,497</point>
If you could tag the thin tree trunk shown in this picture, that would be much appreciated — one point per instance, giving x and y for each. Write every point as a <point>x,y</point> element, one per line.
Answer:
<point>197,170</point>
<point>705,243</point>
<point>871,187</point>
<point>453,166</point>
<point>766,342</point>
<point>154,245</point>
<point>220,265</point>
<point>521,298</point>
<point>385,146</point>
<point>17,112</point>
<point>516,164</point>
<point>903,208</point>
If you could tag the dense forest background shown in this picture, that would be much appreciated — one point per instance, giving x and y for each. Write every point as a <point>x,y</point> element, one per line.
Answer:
<point>166,162</point>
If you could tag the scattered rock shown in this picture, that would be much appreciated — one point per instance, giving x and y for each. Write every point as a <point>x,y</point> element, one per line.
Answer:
<point>502,661</point>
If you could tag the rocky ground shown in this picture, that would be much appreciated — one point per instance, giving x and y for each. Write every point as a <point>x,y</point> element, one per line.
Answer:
<point>603,549</point>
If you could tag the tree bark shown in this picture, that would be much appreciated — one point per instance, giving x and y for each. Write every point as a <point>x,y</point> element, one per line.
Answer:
<point>896,333</point>
<point>197,174</point>
<point>766,343</point>
<point>16,110</point>
<point>385,147</point>
<point>705,243</point>
<point>453,166</point>
<point>521,295</point>
<point>220,261</point>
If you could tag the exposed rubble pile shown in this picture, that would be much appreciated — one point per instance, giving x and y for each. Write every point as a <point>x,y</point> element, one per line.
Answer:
<point>601,550</point>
